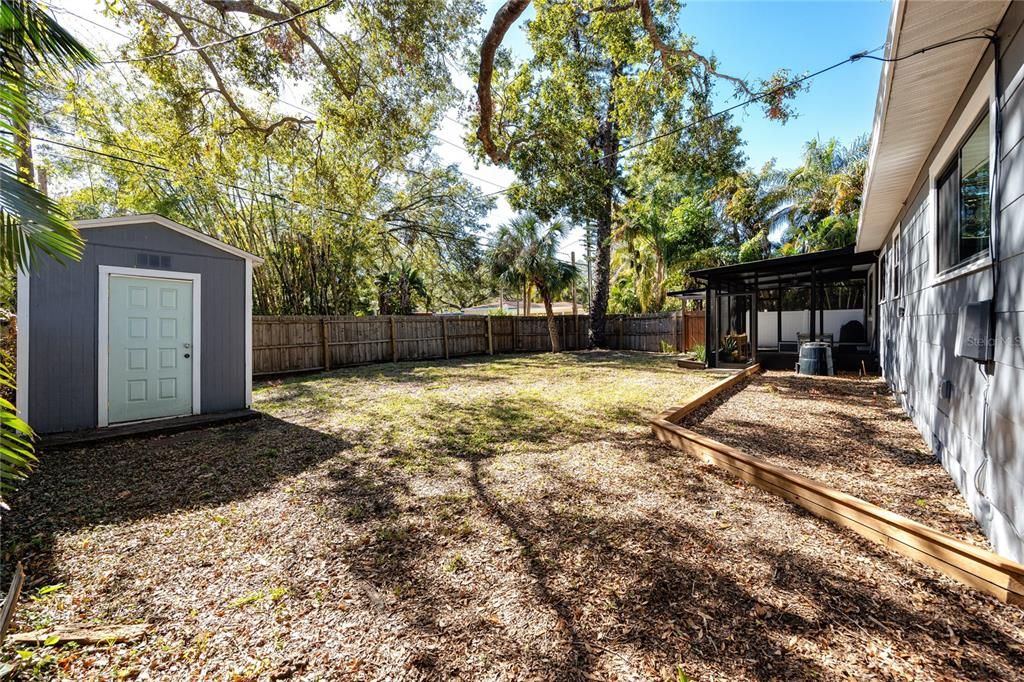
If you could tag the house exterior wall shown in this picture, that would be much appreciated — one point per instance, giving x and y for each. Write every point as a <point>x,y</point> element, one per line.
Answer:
<point>63,333</point>
<point>918,329</point>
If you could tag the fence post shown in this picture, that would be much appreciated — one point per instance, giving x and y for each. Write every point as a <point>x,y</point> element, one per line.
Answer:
<point>394,343</point>
<point>325,345</point>
<point>490,337</point>
<point>515,333</point>
<point>444,335</point>
<point>622,325</point>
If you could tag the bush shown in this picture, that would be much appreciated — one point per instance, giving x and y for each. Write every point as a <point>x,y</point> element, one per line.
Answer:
<point>698,352</point>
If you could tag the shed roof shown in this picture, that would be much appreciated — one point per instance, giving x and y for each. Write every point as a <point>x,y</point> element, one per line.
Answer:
<point>130,220</point>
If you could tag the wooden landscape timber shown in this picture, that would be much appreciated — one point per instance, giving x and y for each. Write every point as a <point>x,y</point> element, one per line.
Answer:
<point>298,343</point>
<point>970,565</point>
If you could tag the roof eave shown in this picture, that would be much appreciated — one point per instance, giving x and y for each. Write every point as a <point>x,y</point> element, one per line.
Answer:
<point>881,106</point>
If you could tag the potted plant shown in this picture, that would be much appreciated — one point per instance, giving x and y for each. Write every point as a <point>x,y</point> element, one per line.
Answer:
<point>728,350</point>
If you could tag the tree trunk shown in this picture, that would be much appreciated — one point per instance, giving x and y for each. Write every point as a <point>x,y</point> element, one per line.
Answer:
<point>609,137</point>
<point>556,345</point>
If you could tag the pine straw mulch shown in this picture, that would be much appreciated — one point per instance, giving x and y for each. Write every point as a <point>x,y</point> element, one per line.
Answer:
<point>847,432</point>
<point>501,519</point>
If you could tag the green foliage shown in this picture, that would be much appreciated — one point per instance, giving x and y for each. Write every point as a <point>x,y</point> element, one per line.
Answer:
<point>597,76</point>
<point>398,290</point>
<point>699,352</point>
<point>525,255</point>
<point>826,191</point>
<point>32,45</point>
<point>333,189</point>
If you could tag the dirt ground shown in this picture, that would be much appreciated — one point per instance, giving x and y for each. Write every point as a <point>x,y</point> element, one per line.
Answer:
<point>847,432</point>
<point>506,518</point>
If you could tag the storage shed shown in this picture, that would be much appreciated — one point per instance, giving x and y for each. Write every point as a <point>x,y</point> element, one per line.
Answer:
<point>154,322</point>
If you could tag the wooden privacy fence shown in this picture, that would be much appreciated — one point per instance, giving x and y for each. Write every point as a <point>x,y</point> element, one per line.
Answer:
<point>307,343</point>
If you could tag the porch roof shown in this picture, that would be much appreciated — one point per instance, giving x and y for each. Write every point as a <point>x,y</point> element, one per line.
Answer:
<point>834,265</point>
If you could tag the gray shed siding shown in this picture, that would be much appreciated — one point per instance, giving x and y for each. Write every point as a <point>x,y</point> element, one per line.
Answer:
<point>917,348</point>
<point>63,304</point>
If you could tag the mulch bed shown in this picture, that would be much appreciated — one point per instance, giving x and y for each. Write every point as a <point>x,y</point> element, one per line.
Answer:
<point>847,432</point>
<point>504,519</point>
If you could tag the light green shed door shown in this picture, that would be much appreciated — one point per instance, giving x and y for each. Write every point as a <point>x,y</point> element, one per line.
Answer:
<point>149,367</point>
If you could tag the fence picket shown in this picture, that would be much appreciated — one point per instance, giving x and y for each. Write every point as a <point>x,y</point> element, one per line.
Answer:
<point>283,344</point>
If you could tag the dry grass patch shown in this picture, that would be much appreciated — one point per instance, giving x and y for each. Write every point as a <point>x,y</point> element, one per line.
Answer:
<point>507,518</point>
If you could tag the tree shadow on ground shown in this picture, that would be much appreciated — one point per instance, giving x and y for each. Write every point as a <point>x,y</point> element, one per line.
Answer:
<point>125,481</point>
<point>541,543</point>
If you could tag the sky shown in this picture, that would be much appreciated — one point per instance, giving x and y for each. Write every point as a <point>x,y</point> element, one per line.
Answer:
<point>750,38</point>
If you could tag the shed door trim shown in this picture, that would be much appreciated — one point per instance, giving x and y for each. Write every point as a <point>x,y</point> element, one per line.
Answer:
<point>102,347</point>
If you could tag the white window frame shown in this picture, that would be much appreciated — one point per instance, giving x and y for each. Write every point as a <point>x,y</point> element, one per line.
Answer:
<point>883,273</point>
<point>896,263</point>
<point>103,323</point>
<point>984,98</point>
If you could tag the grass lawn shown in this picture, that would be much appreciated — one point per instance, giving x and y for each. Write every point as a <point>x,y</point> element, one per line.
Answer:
<point>505,518</point>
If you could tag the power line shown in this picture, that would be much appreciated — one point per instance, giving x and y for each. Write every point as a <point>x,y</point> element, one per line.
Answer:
<point>89,21</point>
<point>254,192</point>
<point>796,81</point>
<point>225,41</point>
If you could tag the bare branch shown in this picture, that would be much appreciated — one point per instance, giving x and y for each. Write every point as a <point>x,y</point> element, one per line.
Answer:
<point>251,8</point>
<point>503,20</point>
<point>665,50</point>
<point>221,88</point>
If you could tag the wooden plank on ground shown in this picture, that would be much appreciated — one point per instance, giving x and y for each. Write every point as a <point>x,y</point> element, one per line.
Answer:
<point>962,561</point>
<point>11,601</point>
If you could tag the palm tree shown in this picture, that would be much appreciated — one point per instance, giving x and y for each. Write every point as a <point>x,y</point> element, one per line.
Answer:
<point>395,289</point>
<point>30,223</point>
<point>525,254</point>
<point>752,203</point>
<point>825,191</point>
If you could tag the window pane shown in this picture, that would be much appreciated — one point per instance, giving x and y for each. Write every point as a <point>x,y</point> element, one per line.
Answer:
<point>948,217</point>
<point>975,208</point>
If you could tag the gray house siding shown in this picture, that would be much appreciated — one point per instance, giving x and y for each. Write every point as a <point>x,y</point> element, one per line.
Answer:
<point>918,329</point>
<point>63,303</point>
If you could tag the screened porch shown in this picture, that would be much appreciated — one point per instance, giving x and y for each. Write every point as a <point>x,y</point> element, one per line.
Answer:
<point>763,310</point>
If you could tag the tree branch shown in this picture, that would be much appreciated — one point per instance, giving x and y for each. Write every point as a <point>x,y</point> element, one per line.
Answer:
<point>221,88</point>
<point>506,15</point>
<point>665,50</point>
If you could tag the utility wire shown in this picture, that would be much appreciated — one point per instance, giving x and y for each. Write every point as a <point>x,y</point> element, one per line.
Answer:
<point>796,81</point>
<point>225,41</point>
<point>89,21</point>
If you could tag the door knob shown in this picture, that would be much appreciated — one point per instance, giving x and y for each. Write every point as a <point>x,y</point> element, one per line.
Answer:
<point>187,345</point>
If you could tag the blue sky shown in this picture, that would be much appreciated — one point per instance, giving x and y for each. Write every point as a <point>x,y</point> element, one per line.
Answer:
<point>752,38</point>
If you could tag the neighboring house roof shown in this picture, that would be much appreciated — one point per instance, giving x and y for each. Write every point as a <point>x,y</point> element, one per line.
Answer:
<point>512,308</point>
<point>916,98</point>
<point>131,220</point>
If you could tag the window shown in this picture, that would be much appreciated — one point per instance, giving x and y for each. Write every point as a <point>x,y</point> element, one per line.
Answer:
<point>882,264</point>
<point>896,266</point>
<point>964,203</point>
